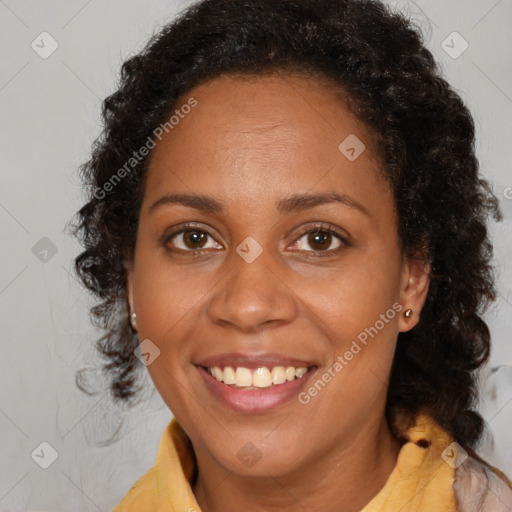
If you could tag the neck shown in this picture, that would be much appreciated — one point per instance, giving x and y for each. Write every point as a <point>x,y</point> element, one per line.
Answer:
<point>350,473</point>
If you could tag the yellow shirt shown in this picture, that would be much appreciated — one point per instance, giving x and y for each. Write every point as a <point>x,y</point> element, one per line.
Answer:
<point>431,475</point>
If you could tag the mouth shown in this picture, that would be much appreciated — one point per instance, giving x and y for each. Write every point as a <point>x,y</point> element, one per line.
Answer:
<point>255,390</point>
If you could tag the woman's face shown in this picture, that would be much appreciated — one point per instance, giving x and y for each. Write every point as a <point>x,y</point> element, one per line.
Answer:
<point>259,281</point>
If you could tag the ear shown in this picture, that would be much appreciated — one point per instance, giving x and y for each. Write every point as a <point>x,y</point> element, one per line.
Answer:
<point>414,289</point>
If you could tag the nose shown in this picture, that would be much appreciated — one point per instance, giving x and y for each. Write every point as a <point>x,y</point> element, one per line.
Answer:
<point>252,295</point>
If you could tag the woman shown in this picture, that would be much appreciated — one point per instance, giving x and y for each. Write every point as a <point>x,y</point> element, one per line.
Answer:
<point>287,227</point>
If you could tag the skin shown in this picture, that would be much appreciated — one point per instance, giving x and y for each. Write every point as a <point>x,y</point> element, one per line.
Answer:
<point>248,143</point>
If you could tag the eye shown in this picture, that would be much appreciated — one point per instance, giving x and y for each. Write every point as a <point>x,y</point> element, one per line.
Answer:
<point>322,239</point>
<point>190,239</point>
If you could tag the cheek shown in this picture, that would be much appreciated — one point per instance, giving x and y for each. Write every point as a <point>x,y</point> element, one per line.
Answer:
<point>362,328</point>
<point>163,297</point>
<point>166,298</point>
<point>354,297</point>
<point>167,301</point>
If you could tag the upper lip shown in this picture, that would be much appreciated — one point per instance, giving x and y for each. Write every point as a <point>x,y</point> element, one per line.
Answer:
<point>252,361</point>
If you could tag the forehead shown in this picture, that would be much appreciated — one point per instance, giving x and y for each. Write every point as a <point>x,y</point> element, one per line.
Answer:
<point>256,134</point>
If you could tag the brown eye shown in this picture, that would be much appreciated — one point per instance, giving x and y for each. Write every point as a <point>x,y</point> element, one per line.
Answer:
<point>191,240</point>
<point>319,240</point>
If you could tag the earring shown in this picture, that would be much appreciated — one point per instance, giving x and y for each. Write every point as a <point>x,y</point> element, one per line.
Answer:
<point>133,319</point>
<point>408,313</point>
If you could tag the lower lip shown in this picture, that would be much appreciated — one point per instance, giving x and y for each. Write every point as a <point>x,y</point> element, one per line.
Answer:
<point>255,400</point>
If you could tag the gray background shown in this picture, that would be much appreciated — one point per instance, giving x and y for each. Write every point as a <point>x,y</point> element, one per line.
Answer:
<point>50,113</point>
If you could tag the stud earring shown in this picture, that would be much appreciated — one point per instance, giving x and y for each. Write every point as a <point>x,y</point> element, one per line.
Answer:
<point>133,319</point>
<point>408,313</point>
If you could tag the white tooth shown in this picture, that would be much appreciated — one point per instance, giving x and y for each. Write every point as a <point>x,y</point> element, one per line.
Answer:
<point>261,378</point>
<point>290,373</point>
<point>229,375</point>
<point>278,375</point>
<point>243,377</point>
<point>218,373</point>
<point>300,372</point>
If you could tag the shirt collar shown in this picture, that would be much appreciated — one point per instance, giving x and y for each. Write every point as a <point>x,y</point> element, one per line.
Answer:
<point>421,480</point>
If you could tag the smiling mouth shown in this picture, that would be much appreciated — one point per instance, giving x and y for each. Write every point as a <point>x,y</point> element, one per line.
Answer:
<point>259,378</point>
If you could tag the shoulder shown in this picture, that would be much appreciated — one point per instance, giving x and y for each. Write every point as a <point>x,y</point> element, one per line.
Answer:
<point>475,485</point>
<point>479,487</point>
<point>142,493</point>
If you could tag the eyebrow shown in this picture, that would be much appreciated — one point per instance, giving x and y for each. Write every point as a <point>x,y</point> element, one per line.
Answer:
<point>294,203</point>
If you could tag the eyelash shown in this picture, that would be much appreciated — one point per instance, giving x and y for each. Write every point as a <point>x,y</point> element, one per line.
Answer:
<point>317,227</point>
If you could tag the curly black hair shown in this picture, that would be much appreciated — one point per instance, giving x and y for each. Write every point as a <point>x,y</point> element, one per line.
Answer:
<point>426,142</point>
